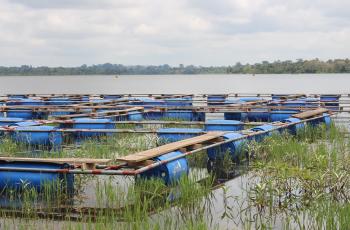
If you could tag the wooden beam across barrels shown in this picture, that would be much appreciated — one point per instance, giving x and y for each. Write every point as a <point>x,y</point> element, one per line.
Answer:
<point>310,113</point>
<point>167,148</point>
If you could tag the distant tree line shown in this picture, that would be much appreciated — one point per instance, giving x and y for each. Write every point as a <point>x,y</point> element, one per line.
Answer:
<point>299,66</point>
<point>265,67</point>
<point>111,69</point>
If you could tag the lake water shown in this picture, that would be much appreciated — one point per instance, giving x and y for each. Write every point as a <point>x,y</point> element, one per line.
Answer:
<point>194,84</point>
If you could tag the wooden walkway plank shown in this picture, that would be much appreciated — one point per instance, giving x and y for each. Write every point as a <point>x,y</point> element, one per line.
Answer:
<point>310,113</point>
<point>167,148</point>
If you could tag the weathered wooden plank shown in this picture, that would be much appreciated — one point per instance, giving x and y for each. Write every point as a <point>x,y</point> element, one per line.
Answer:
<point>94,114</point>
<point>151,153</point>
<point>292,96</point>
<point>310,113</point>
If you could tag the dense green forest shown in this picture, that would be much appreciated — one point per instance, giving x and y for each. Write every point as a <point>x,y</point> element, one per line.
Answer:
<point>265,67</point>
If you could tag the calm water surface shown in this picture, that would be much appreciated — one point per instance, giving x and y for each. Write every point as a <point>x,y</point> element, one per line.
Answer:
<point>264,83</point>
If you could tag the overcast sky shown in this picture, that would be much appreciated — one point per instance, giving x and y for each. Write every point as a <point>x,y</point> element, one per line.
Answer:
<point>199,32</point>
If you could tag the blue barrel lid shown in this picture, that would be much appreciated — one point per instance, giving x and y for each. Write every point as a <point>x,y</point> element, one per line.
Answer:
<point>179,130</point>
<point>11,119</point>
<point>91,120</point>
<point>291,120</point>
<point>265,127</point>
<point>222,122</point>
<point>43,128</point>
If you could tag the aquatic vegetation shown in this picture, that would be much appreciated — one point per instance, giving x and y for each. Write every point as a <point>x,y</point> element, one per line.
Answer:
<point>300,182</point>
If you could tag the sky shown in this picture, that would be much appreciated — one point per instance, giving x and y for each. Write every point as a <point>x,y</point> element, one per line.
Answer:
<point>155,32</point>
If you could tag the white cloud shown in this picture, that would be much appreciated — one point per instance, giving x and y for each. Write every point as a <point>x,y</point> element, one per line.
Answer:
<point>201,32</point>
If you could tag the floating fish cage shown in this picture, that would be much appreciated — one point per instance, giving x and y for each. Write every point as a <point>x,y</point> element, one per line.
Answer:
<point>93,116</point>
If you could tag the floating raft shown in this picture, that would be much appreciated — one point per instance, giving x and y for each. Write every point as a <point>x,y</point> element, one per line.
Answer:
<point>38,118</point>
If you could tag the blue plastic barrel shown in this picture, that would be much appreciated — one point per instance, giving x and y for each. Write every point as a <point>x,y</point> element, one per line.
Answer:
<point>312,102</point>
<point>38,135</point>
<point>23,113</point>
<point>198,116</point>
<point>234,147</point>
<point>178,102</point>
<point>326,119</point>
<point>259,114</point>
<point>59,113</point>
<point>279,115</point>
<point>294,129</point>
<point>331,101</point>
<point>239,116</point>
<point>112,96</point>
<point>171,172</point>
<point>294,104</point>
<point>266,127</point>
<point>147,102</point>
<point>278,96</point>
<point>223,125</point>
<point>154,115</point>
<point>216,99</point>
<point>6,121</point>
<point>99,101</point>
<point>167,135</point>
<point>135,116</point>
<point>59,101</point>
<point>37,180</point>
<point>16,96</point>
<point>26,101</point>
<point>92,123</point>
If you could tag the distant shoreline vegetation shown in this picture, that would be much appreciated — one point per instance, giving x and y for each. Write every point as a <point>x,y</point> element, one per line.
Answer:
<point>265,67</point>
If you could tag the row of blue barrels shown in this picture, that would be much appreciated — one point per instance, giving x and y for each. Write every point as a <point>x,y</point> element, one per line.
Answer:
<point>185,115</point>
<point>167,102</point>
<point>269,130</point>
<point>274,114</point>
<point>46,135</point>
<point>30,114</point>
<point>167,135</point>
<point>172,171</point>
<point>34,134</point>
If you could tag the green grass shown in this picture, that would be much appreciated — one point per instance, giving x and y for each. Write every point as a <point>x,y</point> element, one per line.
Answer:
<point>303,182</point>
